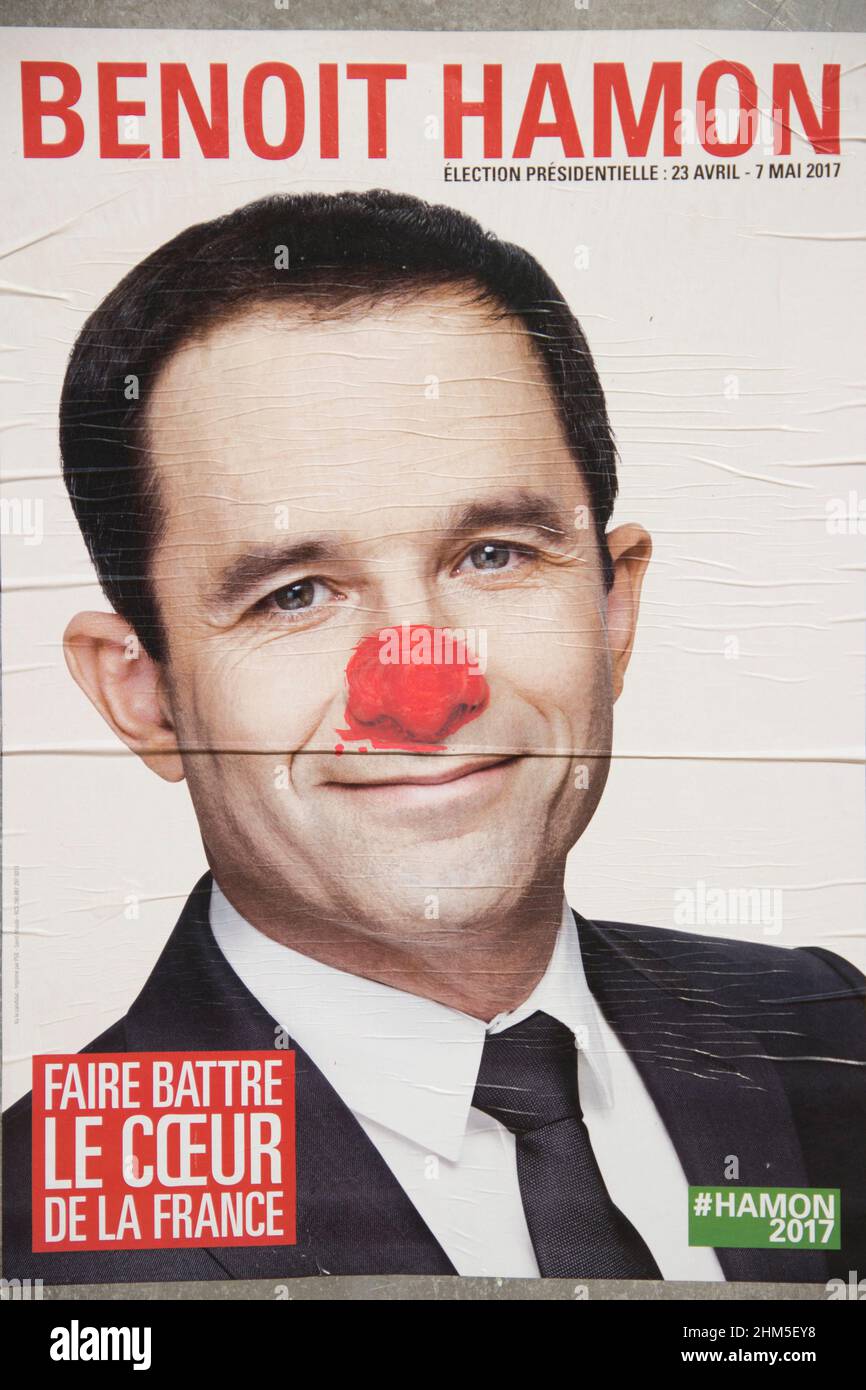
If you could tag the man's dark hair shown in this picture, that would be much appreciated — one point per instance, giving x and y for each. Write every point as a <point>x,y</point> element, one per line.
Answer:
<point>325,252</point>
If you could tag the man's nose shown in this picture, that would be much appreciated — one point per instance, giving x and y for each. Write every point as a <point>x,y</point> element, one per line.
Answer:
<point>412,687</point>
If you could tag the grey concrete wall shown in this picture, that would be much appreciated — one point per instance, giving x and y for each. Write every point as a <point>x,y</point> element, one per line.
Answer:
<point>840,16</point>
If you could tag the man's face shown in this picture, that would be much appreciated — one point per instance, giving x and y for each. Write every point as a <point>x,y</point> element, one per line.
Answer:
<point>323,481</point>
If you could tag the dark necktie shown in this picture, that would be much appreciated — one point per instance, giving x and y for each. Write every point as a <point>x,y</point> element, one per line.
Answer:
<point>528,1081</point>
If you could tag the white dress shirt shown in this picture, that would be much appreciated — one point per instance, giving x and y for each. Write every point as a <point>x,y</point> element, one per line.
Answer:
<point>406,1067</point>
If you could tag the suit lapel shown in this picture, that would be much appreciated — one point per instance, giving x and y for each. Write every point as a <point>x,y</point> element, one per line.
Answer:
<point>353,1216</point>
<point>674,1007</point>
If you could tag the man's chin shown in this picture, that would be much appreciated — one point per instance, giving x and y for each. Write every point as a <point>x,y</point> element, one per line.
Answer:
<point>433,909</point>
<point>450,884</point>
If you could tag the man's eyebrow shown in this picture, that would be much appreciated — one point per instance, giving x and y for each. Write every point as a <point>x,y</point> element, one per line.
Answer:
<point>523,509</point>
<point>260,562</point>
<point>534,511</point>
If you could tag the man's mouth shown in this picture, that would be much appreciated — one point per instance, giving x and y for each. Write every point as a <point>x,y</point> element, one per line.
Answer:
<point>429,787</point>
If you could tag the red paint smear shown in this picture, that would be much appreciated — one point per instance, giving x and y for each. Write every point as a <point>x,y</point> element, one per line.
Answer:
<point>399,705</point>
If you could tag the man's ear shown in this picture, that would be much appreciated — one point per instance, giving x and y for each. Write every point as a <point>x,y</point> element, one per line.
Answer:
<point>630,550</point>
<point>127,687</point>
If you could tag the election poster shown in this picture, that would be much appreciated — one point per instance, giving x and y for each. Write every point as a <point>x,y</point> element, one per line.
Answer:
<point>432,661</point>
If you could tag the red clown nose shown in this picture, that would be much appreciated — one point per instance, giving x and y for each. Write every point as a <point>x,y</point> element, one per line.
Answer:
<point>412,687</point>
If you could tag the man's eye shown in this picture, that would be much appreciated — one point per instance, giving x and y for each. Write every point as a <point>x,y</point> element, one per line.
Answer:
<point>491,556</point>
<point>299,597</point>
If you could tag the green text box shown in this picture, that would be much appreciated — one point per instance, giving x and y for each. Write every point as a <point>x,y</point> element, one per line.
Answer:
<point>765,1218</point>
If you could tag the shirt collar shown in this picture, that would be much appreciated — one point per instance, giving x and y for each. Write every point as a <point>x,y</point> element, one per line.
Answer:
<point>406,1062</point>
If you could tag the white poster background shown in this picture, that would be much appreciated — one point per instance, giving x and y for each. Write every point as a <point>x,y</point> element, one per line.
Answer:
<point>726,319</point>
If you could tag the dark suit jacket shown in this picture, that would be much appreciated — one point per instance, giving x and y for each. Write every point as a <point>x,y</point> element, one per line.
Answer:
<point>747,1050</point>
